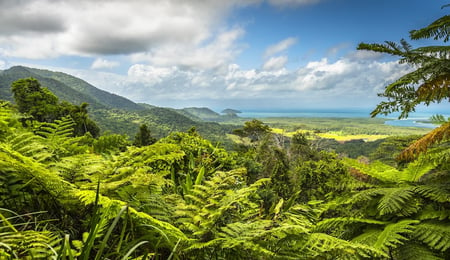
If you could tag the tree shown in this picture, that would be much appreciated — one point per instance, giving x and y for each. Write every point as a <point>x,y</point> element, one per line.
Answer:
<point>255,130</point>
<point>143,137</point>
<point>428,83</point>
<point>35,100</point>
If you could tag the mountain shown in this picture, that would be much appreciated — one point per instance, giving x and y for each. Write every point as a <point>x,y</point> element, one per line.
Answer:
<point>114,113</point>
<point>65,87</point>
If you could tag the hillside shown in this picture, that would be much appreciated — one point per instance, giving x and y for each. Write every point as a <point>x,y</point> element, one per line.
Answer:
<point>113,113</point>
<point>66,87</point>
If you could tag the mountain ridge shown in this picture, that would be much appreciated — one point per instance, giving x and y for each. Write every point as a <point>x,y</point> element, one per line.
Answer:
<point>114,113</point>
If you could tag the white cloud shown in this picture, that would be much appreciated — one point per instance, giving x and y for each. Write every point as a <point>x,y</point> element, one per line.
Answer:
<point>2,64</point>
<point>100,63</point>
<point>48,28</point>
<point>217,53</point>
<point>280,46</point>
<point>344,82</point>
<point>275,63</point>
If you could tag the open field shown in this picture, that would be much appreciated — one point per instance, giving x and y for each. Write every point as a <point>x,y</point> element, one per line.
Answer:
<point>340,129</point>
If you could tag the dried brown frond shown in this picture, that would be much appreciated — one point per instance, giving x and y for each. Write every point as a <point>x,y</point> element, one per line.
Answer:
<point>420,146</point>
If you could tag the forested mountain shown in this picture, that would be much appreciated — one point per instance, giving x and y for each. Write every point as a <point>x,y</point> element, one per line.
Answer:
<point>113,113</point>
<point>66,87</point>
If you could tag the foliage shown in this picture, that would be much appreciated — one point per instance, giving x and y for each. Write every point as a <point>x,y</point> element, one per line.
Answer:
<point>143,137</point>
<point>34,100</point>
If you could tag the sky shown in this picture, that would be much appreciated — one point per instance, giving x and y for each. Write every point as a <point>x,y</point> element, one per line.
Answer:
<point>241,54</point>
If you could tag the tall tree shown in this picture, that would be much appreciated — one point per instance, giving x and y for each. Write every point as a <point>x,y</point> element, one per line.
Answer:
<point>35,100</point>
<point>144,137</point>
<point>429,82</point>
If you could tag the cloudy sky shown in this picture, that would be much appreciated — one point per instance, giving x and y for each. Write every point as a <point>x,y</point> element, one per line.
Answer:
<point>244,54</point>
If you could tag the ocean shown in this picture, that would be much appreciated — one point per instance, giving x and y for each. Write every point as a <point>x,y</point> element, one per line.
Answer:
<point>416,119</point>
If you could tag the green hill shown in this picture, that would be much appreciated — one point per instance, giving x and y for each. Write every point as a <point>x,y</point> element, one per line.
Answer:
<point>113,113</point>
<point>66,87</point>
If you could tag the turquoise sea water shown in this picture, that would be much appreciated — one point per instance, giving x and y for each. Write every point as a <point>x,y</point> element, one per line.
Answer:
<point>416,119</point>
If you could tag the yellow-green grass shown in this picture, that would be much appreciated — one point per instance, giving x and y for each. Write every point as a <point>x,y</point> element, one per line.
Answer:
<point>346,137</point>
<point>338,136</point>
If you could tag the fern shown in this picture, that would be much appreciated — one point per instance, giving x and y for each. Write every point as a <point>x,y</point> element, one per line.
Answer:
<point>112,207</point>
<point>58,129</point>
<point>435,192</point>
<point>321,245</point>
<point>392,201</point>
<point>342,223</point>
<point>392,236</point>
<point>14,162</point>
<point>434,234</point>
<point>80,168</point>
<point>17,241</point>
<point>412,173</point>
<point>415,251</point>
<point>398,201</point>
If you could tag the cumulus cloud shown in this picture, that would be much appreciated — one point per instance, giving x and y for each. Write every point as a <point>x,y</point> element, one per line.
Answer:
<point>344,82</point>
<point>280,46</point>
<point>100,63</point>
<point>215,54</point>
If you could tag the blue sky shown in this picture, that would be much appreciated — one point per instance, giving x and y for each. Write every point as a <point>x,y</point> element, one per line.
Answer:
<point>258,54</point>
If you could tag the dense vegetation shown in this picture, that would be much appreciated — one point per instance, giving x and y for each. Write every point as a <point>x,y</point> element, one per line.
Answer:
<point>72,195</point>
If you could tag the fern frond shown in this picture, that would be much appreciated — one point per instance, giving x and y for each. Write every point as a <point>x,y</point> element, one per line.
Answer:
<point>341,223</point>
<point>58,129</point>
<point>79,168</point>
<point>411,250</point>
<point>386,173</point>
<point>30,145</point>
<point>398,201</point>
<point>30,169</point>
<point>436,192</point>
<point>429,212</point>
<point>28,243</point>
<point>434,234</point>
<point>436,135</point>
<point>395,234</point>
<point>368,237</point>
<point>114,206</point>
<point>322,245</point>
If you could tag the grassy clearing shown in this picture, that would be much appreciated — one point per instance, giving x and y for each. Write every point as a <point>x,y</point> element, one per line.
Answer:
<point>340,129</point>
